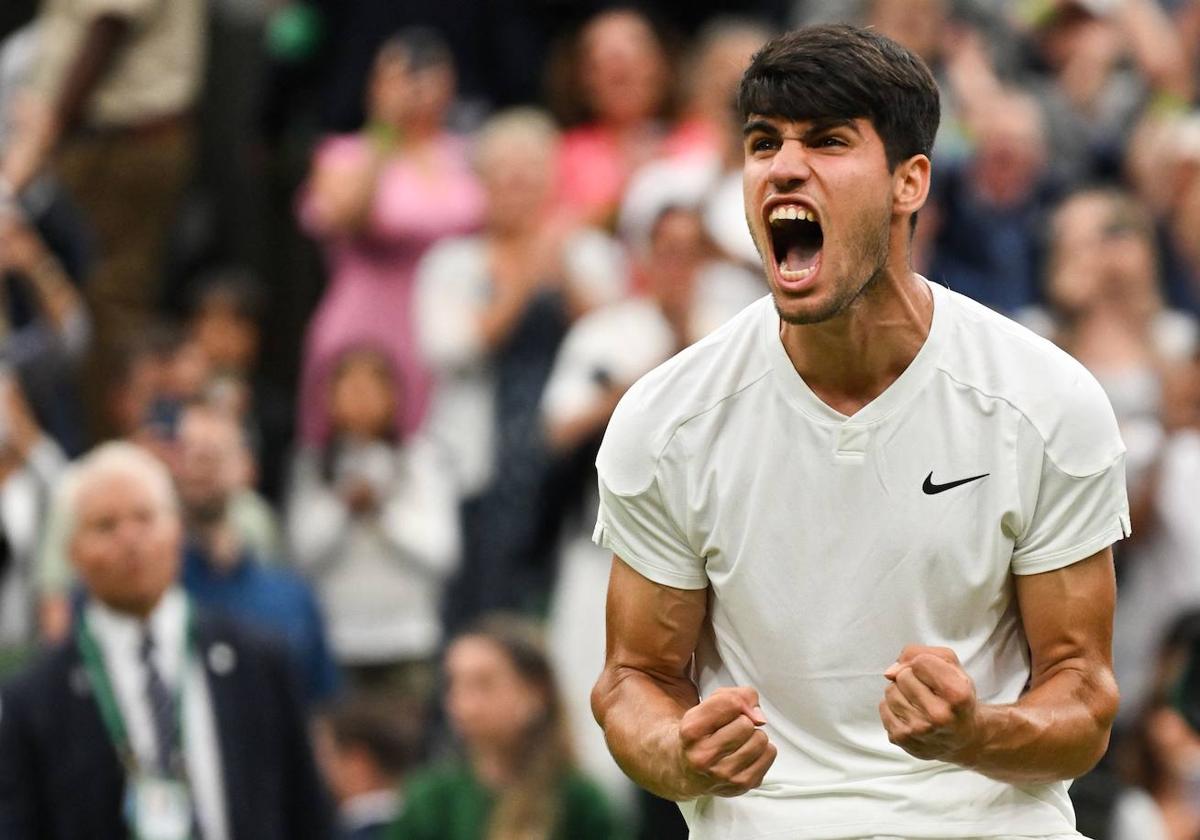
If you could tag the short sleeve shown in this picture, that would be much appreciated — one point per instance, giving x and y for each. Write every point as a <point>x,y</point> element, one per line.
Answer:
<point>640,517</point>
<point>1075,486</point>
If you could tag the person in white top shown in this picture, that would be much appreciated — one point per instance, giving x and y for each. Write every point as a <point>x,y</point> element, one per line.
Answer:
<point>862,583</point>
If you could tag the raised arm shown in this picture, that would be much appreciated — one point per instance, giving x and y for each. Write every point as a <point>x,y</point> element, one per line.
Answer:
<point>657,729</point>
<point>1059,728</point>
<point>45,126</point>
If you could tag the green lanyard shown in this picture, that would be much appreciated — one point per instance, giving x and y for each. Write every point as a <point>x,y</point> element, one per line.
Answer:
<point>106,698</point>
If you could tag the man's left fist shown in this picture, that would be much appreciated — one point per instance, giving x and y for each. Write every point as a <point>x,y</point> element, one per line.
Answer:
<point>929,710</point>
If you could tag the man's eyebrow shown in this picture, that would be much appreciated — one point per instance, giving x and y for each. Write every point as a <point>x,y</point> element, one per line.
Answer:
<point>765,126</point>
<point>829,123</point>
<point>815,126</point>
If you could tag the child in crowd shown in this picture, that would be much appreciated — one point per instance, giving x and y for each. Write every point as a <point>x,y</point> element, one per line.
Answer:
<point>373,522</point>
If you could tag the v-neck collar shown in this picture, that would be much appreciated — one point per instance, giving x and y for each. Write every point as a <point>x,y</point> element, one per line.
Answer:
<point>904,388</point>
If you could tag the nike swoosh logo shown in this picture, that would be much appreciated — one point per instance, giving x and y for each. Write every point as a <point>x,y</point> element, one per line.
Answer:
<point>932,489</point>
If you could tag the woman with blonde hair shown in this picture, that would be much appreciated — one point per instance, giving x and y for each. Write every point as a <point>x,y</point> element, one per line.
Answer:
<point>517,778</point>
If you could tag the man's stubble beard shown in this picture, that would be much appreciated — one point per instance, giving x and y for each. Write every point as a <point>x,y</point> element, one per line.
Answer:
<point>874,250</point>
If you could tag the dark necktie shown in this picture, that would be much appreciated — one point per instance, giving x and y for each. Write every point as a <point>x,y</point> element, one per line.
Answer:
<point>163,715</point>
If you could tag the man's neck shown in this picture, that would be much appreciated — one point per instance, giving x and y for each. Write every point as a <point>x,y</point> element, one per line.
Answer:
<point>852,358</point>
<point>219,542</point>
<point>140,611</point>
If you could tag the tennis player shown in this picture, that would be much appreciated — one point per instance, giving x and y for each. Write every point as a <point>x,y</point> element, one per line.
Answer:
<point>863,583</point>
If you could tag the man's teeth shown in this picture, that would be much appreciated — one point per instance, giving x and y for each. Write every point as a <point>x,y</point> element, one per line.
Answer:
<point>788,274</point>
<point>793,213</point>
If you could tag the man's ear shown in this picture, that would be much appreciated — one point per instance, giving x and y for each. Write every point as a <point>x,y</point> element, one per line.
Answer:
<point>910,185</point>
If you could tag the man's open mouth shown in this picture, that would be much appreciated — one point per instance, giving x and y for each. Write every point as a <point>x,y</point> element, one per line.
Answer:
<point>796,240</point>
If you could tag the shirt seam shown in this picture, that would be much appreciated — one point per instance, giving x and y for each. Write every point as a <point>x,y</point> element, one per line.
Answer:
<point>1025,416</point>
<point>658,456</point>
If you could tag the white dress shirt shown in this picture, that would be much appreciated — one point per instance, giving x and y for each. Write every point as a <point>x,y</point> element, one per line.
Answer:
<point>119,637</point>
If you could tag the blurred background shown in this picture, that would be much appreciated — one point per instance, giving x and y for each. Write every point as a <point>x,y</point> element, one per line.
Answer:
<point>370,276</point>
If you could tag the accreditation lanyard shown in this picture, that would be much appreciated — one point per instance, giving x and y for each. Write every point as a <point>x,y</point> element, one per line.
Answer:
<point>157,806</point>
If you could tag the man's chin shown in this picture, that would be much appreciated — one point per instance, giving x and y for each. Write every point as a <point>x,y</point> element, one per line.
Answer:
<point>804,312</point>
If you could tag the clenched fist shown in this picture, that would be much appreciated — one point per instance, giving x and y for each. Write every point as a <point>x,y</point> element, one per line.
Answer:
<point>723,752</point>
<point>929,710</point>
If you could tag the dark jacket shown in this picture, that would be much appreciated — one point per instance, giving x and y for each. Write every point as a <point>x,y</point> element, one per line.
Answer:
<point>60,778</point>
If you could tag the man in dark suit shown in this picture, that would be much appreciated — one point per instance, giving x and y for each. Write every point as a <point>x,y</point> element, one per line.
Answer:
<point>152,719</point>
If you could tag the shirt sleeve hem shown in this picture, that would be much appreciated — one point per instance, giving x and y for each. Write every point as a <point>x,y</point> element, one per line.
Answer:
<point>606,538</point>
<point>1081,551</point>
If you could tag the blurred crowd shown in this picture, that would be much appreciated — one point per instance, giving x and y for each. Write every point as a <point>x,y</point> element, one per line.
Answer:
<point>368,278</point>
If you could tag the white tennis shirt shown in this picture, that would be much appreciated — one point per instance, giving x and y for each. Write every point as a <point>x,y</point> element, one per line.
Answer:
<point>830,542</point>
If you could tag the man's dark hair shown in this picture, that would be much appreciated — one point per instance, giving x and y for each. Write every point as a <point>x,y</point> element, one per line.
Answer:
<point>387,729</point>
<point>845,72</point>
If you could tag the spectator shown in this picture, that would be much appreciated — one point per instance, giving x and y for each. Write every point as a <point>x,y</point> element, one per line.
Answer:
<point>115,83</point>
<point>992,208</point>
<point>614,93</point>
<point>30,465</point>
<point>1096,66</point>
<point>373,750</point>
<point>375,201</point>
<point>46,328</point>
<point>1163,167</point>
<point>714,67</point>
<point>1162,753</point>
<point>373,522</point>
<point>492,310</point>
<point>1161,567</point>
<point>224,570</point>
<point>516,777</point>
<point>704,168</point>
<point>90,745</point>
<point>228,307</point>
<point>1105,296</point>
<point>159,373</point>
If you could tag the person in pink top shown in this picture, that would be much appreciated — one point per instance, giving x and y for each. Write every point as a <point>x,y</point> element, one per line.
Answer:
<point>614,92</point>
<point>376,200</point>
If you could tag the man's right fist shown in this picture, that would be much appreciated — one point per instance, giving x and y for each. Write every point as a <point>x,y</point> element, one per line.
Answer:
<point>723,752</point>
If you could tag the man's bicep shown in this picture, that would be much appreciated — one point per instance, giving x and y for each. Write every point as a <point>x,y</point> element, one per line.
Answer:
<point>1068,614</point>
<point>651,627</point>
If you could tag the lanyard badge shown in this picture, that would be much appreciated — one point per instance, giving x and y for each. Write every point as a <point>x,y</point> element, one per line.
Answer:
<point>157,806</point>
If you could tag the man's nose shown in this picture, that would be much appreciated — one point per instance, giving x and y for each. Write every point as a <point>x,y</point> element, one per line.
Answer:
<point>132,532</point>
<point>790,166</point>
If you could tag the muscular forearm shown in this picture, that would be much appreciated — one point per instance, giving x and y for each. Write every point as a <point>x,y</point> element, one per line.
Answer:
<point>1058,730</point>
<point>640,717</point>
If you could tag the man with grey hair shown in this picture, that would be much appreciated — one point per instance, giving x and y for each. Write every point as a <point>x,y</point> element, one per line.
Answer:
<point>152,719</point>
